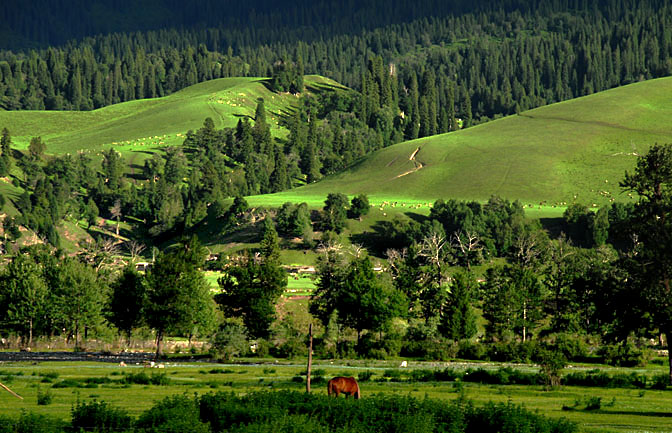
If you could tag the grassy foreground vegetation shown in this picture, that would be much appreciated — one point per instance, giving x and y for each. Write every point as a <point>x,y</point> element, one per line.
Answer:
<point>135,389</point>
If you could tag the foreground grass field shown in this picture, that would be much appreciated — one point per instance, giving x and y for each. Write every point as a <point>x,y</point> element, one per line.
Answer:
<point>623,410</point>
<point>572,151</point>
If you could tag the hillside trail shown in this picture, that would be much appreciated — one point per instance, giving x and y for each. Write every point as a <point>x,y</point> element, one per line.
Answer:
<point>418,165</point>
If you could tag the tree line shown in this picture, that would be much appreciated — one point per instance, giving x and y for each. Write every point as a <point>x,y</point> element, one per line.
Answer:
<point>469,66</point>
<point>603,284</point>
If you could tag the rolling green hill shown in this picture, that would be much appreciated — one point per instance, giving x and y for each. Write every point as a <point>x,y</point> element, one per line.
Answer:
<point>138,125</point>
<point>576,150</point>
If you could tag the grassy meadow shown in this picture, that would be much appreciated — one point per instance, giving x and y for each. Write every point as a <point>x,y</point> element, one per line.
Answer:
<point>142,125</point>
<point>622,410</point>
<point>575,150</point>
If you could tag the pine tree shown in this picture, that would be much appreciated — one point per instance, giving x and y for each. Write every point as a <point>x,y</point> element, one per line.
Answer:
<point>6,149</point>
<point>270,246</point>
<point>466,111</point>
<point>413,128</point>
<point>458,320</point>
<point>261,131</point>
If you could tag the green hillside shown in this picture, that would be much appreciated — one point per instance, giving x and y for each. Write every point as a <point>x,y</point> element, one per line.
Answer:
<point>137,125</point>
<point>574,150</point>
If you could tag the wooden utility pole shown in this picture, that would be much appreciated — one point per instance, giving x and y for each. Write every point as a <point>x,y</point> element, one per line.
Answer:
<point>10,391</point>
<point>310,357</point>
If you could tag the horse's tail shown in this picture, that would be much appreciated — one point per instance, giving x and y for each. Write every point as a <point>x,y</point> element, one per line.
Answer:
<point>329,387</point>
<point>357,394</point>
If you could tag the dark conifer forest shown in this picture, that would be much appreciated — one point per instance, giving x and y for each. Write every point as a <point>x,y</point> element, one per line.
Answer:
<point>477,61</point>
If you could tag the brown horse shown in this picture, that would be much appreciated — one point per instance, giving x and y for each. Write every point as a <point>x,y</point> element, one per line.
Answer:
<point>345,385</point>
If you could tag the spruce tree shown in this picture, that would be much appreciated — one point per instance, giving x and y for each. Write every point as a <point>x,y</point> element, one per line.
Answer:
<point>6,149</point>
<point>270,246</point>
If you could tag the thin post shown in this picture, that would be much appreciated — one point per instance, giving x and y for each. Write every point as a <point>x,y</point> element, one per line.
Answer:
<point>11,392</point>
<point>310,357</point>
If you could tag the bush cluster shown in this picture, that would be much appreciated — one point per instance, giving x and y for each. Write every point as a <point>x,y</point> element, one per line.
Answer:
<point>510,376</point>
<point>297,412</point>
<point>598,378</point>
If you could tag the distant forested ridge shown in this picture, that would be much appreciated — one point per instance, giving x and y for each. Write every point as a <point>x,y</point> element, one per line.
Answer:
<point>450,62</point>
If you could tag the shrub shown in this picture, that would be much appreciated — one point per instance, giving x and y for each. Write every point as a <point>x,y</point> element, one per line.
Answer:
<point>660,381</point>
<point>98,380</point>
<point>293,347</point>
<point>99,417</point>
<point>6,424</point>
<point>624,355</point>
<point>287,423</point>
<point>393,375</point>
<point>364,376</point>
<point>594,403</point>
<point>230,340</point>
<point>44,398</point>
<point>371,348</point>
<point>509,418</point>
<point>442,350</point>
<point>551,363</point>
<point>68,383</point>
<point>471,350</point>
<point>289,411</point>
<point>346,349</point>
<point>173,414</point>
<point>447,375</point>
<point>392,346</point>
<point>422,376</point>
<point>34,423</point>
<point>513,352</point>
<point>160,379</point>
<point>262,348</point>
<point>137,378</point>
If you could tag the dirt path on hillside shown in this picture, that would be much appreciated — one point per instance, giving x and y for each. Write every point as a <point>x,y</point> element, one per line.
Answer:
<point>418,165</point>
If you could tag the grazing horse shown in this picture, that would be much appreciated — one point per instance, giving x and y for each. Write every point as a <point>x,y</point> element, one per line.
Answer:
<point>345,385</point>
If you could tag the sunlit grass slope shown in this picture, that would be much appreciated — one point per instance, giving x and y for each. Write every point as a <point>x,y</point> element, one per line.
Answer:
<point>576,150</point>
<point>155,122</point>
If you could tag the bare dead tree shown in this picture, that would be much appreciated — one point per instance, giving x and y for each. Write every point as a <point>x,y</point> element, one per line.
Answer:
<point>468,244</point>
<point>432,249</point>
<point>116,212</point>
<point>134,248</point>
<point>527,248</point>
<point>395,258</point>
<point>101,252</point>
<point>356,250</point>
<point>330,245</point>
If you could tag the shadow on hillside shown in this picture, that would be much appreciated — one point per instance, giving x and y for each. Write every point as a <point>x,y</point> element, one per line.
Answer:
<point>370,241</point>
<point>241,116</point>
<point>147,152</point>
<point>418,218</point>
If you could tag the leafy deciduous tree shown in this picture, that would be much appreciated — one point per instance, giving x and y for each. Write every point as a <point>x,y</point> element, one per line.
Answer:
<point>250,291</point>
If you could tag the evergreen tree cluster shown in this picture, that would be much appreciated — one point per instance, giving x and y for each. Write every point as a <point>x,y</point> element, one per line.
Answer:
<point>468,66</point>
